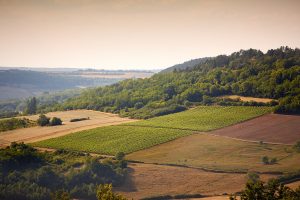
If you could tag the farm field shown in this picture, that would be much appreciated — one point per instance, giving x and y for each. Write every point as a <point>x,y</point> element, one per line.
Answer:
<point>205,118</point>
<point>113,139</point>
<point>32,134</point>
<point>242,98</point>
<point>139,135</point>
<point>221,154</point>
<point>268,128</point>
<point>146,180</point>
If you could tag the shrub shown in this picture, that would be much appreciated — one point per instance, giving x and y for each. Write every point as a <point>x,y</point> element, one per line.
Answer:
<point>43,120</point>
<point>55,121</point>
<point>265,160</point>
<point>79,119</point>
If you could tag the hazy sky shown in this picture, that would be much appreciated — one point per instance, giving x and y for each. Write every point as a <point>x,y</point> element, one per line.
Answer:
<point>144,34</point>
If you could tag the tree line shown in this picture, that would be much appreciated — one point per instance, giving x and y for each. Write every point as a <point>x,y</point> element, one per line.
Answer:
<point>274,74</point>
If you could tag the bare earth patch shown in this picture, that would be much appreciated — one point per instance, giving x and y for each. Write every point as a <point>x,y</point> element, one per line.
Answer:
<point>273,128</point>
<point>146,180</point>
<point>259,100</point>
<point>34,134</point>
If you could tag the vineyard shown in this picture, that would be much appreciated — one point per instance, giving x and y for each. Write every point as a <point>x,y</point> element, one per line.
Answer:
<point>136,136</point>
<point>205,118</point>
<point>113,139</point>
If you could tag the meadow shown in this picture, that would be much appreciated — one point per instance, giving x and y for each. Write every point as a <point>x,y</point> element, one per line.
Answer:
<point>205,118</point>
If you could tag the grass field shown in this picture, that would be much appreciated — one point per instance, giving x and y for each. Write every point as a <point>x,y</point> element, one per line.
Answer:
<point>205,118</point>
<point>112,139</point>
<point>220,153</point>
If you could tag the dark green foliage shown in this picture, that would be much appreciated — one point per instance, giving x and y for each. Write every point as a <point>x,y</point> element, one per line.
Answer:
<point>31,106</point>
<point>15,123</point>
<point>120,156</point>
<point>43,120</point>
<point>79,119</point>
<point>104,192</point>
<point>60,195</point>
<point>273,190</point>
<point>275,74</point>
<point>265,160</point>
<point>297,146</point>
<point>55,121</point>
<point>29,174</point>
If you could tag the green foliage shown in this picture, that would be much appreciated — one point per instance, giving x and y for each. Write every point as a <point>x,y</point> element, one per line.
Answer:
<point>15,123</point>
<point>31,106</point>
<point>60,195</point>
<point>297,146</point>
<point>265,160</point>
<point>120,156</point>
<point>273,190</point>
<point>104,192</point>
<point>275,74</point>
<point>79,119</point>
<point>43,120</point>
<point>29,174</point>
<point>55,121</point>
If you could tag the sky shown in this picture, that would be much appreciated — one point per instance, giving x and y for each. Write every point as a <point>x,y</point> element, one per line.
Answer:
<point>140,34</point>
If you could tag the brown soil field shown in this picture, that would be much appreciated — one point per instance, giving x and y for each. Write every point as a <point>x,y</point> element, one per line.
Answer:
<point>214,152</point>
<point>273,128</point>
<point>34,134</point>
<point>262,100</point>
<point>146,180</point>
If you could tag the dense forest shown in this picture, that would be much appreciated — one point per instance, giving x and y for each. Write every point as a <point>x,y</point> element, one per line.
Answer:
<point>274,74</point>
<point>27,174</point>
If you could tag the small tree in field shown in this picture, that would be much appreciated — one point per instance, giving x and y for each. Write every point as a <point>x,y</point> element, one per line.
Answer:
<point>265,160</point>
<point>43,120</point>
<point>55,121</point>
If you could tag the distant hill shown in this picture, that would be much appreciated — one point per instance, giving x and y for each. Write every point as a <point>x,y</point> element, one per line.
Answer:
<point>274,74</point>
<point>16,83</point>
<point>185,65</point>
<point>251,73</point>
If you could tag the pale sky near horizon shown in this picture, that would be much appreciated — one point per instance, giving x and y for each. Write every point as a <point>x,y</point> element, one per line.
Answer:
<point>140,34</point>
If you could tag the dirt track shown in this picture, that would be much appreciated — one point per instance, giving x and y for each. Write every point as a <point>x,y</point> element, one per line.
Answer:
<point>33,134</point>
<point>272,128</point>
<point>145,180</point>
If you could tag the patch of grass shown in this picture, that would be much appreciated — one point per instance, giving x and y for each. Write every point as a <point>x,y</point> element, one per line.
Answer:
<point>205,118</point>
<point>113,139</point>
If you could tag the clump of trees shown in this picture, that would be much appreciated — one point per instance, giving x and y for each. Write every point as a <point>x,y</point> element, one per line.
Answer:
<point>272,190</point>
<point>267,161</point>
<point>43,120</point>
<point>31,106</point>
<point>29,174</point>
<point>274,74</point>
<point>15,123</point>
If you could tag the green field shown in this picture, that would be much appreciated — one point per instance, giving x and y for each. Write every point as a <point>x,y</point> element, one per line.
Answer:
<point>140,135</point>
<point>112,139</point>
<point>205,118</point>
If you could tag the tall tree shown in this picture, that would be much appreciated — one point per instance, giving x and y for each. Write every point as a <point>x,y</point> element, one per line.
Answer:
<point>31,106</point>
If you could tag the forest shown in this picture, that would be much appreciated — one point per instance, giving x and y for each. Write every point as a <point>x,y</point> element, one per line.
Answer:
<point>274,74</point>
<point>29,174</point>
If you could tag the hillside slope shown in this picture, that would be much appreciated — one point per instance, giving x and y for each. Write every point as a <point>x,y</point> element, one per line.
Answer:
<point>274,74</point>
